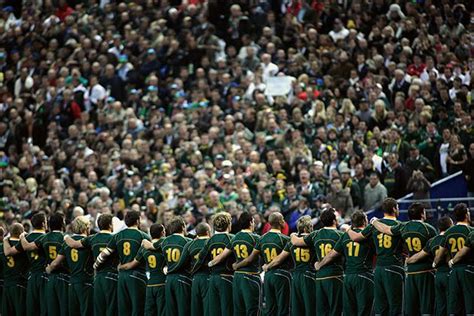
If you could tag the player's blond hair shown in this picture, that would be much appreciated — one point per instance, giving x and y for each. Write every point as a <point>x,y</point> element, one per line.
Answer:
<point>80,224</point>
<point>304,224</point>
<point>222,221</point>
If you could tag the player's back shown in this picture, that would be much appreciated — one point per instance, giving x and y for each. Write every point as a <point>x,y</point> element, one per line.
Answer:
<point>172,248</point>
<point>303,257</point>
<point>214,247</point>
<point>15,267</point>
<point>455,238</point>
<point>51,243</point>
<point>416,235</point>
<point>432,247</point>
<point>242,246</point>
<point>358,255</point>
<point>194,248</point>
<point>97,243</point>
<point>79,261</point>
<point>36,257</point>
<point>128,242</point>
<point>324,240</point>
<point>388,248</point>
<point>271,245</point>
<point>155,262</point>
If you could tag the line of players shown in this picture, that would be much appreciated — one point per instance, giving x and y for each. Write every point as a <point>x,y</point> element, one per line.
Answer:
<point>326,271</point>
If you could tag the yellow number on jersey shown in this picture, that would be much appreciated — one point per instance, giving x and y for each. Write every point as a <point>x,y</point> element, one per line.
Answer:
<point>325,249</point>
<point>353,249</point>
<point>385,241</point>
<point>216,251</point>
<point>456,244</point>
<point>10,262</point>
<point>126,248</point>
<point>271,253</point>
<point>414,244</point>
<point>302,254</point>
<point>52,252</point>
<point>173,254</point>
<point>74,255</point>
<point>241,251</point>
<point>152,261</point>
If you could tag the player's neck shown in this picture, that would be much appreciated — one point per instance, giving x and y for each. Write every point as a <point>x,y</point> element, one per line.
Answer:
<point>133,227</point>
<point>465,223</point>
<point>202,237</point>
<point>389,217</point>
<point>246,230</point>
<point>105,232</point>
<point>225,232</point>
<point>330,227</point>
<point>180,234</point>
<point>38,231</point>
<point>275,230</point>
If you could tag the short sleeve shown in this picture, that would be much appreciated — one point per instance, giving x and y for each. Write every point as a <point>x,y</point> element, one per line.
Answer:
<point>308,240</point>
<point>397,229</point>
<point>19,247</point>
<point>113,243</point>
<point>470,240</point>
<point>367,231</point>
<point>63,249</point>
<point>258,245</point>
<point>427,247</point>
<point>287,247</point>
<point>339,247</point>
<point>140,254</point>
<point>39,241</point>
<point>86,242</point>
<point>157,245</point>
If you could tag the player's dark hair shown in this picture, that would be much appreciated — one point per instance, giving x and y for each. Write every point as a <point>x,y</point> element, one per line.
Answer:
<point>176,225</point>
<point>276,220</point>
<point>156,230</point>
<point>245,220</point>
<point>131,218</point>
<point>328,217</point>
<point>389,205</point>
<point>16,230</point>
<point>444,223</point>
<point>37,220</point>
<point>56,221</point>
<point>105,221</point>
<point>460,212</point>
<point>415,211</point>
<point>358,219</point>
<point>203,229</point>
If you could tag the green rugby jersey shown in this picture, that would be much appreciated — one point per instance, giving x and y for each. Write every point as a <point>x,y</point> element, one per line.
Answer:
<point>15,268</point>
<point>455,238</point>
<point>37,257</point>
<point>416,235</point>
<point>192,250</point>
<point>359,255</point>
<point>155,262</point>
<point>303,257</point>
<point>51,244</point>
<point>388,248</point>
<point>323,241</point>
<point>271,245</point>
<point>127,243</point>
<point>97,243</point>
<point>172,248</point>
<point>242,246</point>
<point>470,240</point>
<point>432,247</point>
<point>79,261</point>
<point>214,247</point>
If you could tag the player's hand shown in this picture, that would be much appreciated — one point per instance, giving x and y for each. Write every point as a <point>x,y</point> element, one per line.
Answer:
<point>234,266</point>
<point>147,244</point>
<point>48,269</point>
<point>211,264</point>
<point>265,267</point>
<point>66,237</point>
<point>119,267</point>
<point>451,263</point>
<point>317,266</point>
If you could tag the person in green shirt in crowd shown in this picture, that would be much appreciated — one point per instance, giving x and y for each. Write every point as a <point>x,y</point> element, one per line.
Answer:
<point>358,293</point>
<point>105,281</point>
<point>303,276</point>
<point>221,275</point>
<point>276,287</point>
<point>155,262</point>
<point>442,270</point>
<point>57,285</point>
<point>80,263</point>
<point>37,258</point>
<point>15,269</point>
<point>247,285</point>
<point>419,282</point>
<point>329,279</point>
<point>389,272</point>
<point>461,287</point>
<point>178,280</point>
<point>131,287</point>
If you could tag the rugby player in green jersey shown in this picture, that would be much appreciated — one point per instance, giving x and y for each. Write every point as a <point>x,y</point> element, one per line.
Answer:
<point>155,262</point>
<point>303,274</point>
<point>419,282</point>
<point>358,293</point>
<point>329,279</point>
<point>105,280</point>
<point>461,287</point>
<point>442,270</point>
<point>247,285</point>
<point>15,269</point>
<point>389,271</point>
<point>178,280</point>
<point>131,287</point>
<point>57,285</point>
<point>221,275</point>
<point>36,278</point>
<point>277,281</point>
<point>80,263</point>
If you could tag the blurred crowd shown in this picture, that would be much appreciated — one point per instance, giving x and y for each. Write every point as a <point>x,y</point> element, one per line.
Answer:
<point>163,106</point>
